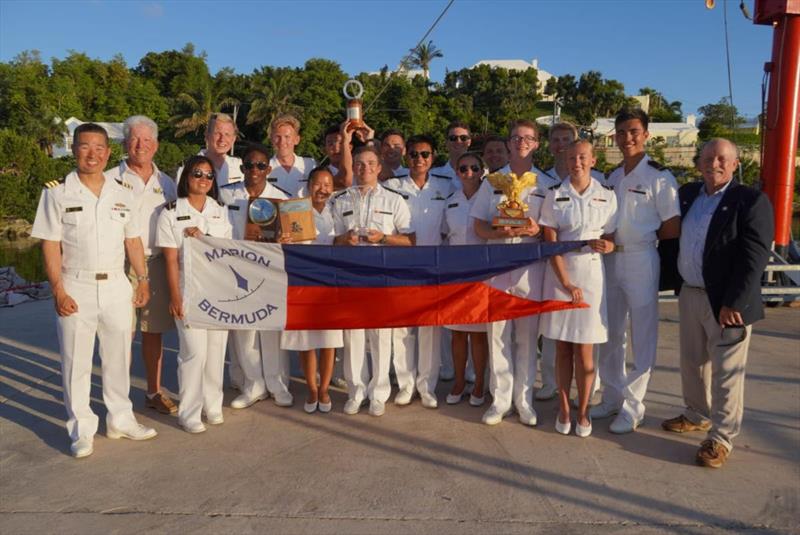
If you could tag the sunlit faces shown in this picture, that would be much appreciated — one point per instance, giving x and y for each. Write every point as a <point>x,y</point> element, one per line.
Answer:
<point>366,168</point>
<point>255,167</point>
<point>321,186</point>
<point>631,137</point>
<point>141,145</point>
<point>580,159</point>
<point>284,139</point>
<point>393,148</point>
<point>469,172</point>
<point>221,138</point>
<point>200,178</point>
<point>495,154</point>
<point>458,141</point>
<point>522,142</point>
<point>333,148</point>
<point>420,158</point>
<point>560,140</point>
<point>717,163</point>
<point>91,152</point>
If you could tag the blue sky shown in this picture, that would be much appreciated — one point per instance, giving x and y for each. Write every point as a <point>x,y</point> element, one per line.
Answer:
<point>674,46</point>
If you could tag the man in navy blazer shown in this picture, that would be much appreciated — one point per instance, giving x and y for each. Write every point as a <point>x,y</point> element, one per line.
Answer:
<point>726,235</point>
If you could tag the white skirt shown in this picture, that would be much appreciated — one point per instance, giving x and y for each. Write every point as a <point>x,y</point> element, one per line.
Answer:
<point>307,340</point>
<point>578,325</point>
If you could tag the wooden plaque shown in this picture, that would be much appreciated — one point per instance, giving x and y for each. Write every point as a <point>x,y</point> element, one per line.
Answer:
<point>297,219</point>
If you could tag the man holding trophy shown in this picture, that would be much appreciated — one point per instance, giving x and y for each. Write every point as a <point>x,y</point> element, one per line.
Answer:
<point>369,215</point>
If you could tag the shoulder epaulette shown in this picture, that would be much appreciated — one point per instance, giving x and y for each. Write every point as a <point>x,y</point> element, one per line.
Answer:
<point>554,186</point>
<point>451,194</point>
<point>608,187</point>
<point>548,174</point>
<point>170,205</point>
<point>230,184</point>
<point>498,192</point>
<point>653,163</point>
<point>444,177</point>
<point>403,195</point>
<point>123,183</point>
<point>397,176</point>
<point>53,183</point>
<point>219,202</point>
<point>282,190</point>
<point>339,194</point>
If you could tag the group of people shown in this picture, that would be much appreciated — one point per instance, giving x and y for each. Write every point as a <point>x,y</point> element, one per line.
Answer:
<point>112,238</point>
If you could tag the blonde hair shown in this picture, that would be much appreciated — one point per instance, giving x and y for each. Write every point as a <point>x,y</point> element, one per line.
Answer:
<point>220,118</point>
<point>283,119</point>
<point>564,126</point>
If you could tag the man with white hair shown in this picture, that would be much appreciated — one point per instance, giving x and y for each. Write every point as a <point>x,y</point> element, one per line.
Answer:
<point>151,189</point>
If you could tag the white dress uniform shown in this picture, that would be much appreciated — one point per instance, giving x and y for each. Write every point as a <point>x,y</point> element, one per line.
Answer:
<point>646,197</point>
<point>597,175</point>
<point>390,215</point>
<point>512,369</point>
<point>575,216</point>
<point>458,229</point>
<point>306,340</point>
<point>201,354</point>
<point>92,231</point>
<point>257,355</point>
<point>412,367</point>
<point>446,171</point>
<point>294,179</point>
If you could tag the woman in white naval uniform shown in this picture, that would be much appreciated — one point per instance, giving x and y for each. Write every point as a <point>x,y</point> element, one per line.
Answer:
<point>579,209</point>
<point>201,356</point>
<point>458,229</point>
<point>320,184</point>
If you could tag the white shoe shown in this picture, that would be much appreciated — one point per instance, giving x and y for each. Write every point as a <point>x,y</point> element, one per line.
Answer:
<point>310,408</point>
<point>455,399</point>
<point>325,408</point>
<point>215,419</point>
<point>135,432</point>
<point>243,401</point>
<point>352,406</point>
<point>283,399</point>
<point>583,431</point>
<point>562,427</point>
<point>476,401</point>
<point>341,383</point>
<point>194,428</point>
<point>527,416</point>
<point>403,397</point>
<point>429,401</point>
<point>624,423</point>
<point>494,416</point>
<point>603,410</point>
<point>546,392</point>
<point>83,447</point>
<point>377,408</point>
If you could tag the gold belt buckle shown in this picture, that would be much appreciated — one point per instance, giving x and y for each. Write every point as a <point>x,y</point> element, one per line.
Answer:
<point>100,276</point>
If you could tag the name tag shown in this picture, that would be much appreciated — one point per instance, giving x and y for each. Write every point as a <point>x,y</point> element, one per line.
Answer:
<point>599,200</point>
<point>539,195</point>
<point>272,179</point>
<point>233,207</point>
<point>184,217</point>
<point>74,209</point>
<point>347,213</point>
<point>562,199</point>
<point>498,192</point>
<point>452,205</point>
<point>383,212</point>
<point>640,192</point>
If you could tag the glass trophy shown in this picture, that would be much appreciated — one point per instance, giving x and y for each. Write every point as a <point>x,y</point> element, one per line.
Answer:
<point>362,197</point>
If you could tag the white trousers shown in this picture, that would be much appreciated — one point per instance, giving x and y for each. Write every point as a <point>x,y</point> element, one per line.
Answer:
<point>246,354</point>
<point>417,358</point>
<point>274,361</point>
<point>632,295</point>
<point>512,362</point>
<point>201,368</point>
<point>104,311</point>
<point>356,372</point>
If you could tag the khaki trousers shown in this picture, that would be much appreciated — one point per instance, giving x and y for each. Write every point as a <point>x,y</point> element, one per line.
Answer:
<point>712,367</point>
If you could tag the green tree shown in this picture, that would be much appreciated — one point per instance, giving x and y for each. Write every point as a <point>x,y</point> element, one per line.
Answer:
<point>718,119</point>
<point>661,110</point>
<point>423,55</point>
<point>272,92</point>
<point>195,109</point>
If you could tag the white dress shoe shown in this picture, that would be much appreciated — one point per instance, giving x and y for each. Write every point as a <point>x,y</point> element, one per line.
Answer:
<point>562,427</point>
<point>283,399</point>
<point>193,428</point>
<point>527,416</point>
<point>83,447</point>
<point>134,432</point>
<point>583,431</point>
<point>494,416</point>
<point>215,418</point>
<point>603,410</point>
<point>377,408</point>
<point>403,397</point>
<point>244,400</point>
<point>325,407</point>
<point>310,408</point>
<point>546,392</point>
<point>455,399</point>
<point>429,401</point>
<point>624,423</point>
<point>476,401</point>
<point>352,406</point>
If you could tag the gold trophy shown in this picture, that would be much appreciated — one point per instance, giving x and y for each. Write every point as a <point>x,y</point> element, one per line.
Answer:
<point>512,209</point>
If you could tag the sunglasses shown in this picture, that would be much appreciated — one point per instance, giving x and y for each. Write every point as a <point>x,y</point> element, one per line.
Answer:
<point>425,154</point>
<point>464,168</point>
<point>198,174</point>
<point>462,138</point>
<point>261,166</point>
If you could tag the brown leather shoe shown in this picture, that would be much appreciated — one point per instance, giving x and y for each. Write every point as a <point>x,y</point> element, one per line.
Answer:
<point>162,404</point>
<point>711,454</point>
<point>682,424</point>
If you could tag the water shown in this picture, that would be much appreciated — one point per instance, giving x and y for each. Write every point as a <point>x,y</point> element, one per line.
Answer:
<point>27,261</point>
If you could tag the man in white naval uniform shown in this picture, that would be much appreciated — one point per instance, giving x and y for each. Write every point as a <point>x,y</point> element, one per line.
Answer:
<point>265,367</point>
<point>512,368</point>
<point>458,141</point>
<point>426,197</point>
<point>220,137</point>
<point>370,215</point>
<point>495,152</point>
<point>647,197</point>
<point>87,224</point>
<point>289,171</point>
<point>152,189</point>
<point>393,149</point>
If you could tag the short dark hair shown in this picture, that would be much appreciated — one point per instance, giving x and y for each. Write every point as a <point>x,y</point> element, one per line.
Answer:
<point>256,147</point>
<point>471,154</point>
<point>367,148</point>
<point>334,129</point>
<point>188,167</point>
<point>316,171</point>
<point>494,138</point>
<point>457,124</point>
<point>420,138</point>
<point>628,114</point>
<point>392,132</point>
<point>89,128</point>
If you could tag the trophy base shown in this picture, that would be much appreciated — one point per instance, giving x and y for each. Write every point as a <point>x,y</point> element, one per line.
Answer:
<point>510,222</point>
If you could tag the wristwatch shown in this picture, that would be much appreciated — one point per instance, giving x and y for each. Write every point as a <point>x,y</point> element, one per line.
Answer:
<point>383,240</point>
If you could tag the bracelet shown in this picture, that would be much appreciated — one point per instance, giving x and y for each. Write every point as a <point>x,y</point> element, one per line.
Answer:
<point>142,278</point>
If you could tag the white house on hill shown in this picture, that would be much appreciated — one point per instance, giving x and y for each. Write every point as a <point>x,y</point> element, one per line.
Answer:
<point>64,147</point>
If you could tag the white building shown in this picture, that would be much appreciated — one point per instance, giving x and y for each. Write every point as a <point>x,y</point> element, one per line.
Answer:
<point>64,147</point>
<point>521,65</point>
<point>672,134</point>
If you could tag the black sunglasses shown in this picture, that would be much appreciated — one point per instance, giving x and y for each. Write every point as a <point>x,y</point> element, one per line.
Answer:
<point>424,153</point>
<point>198,174</point>
<point>463,138</point>
<point>475,168</point>
<point>260,165</point>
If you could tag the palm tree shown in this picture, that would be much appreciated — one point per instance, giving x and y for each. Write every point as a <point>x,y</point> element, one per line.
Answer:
<point>198,107</point>
<point>422,55</point>
<point>272,99</point>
